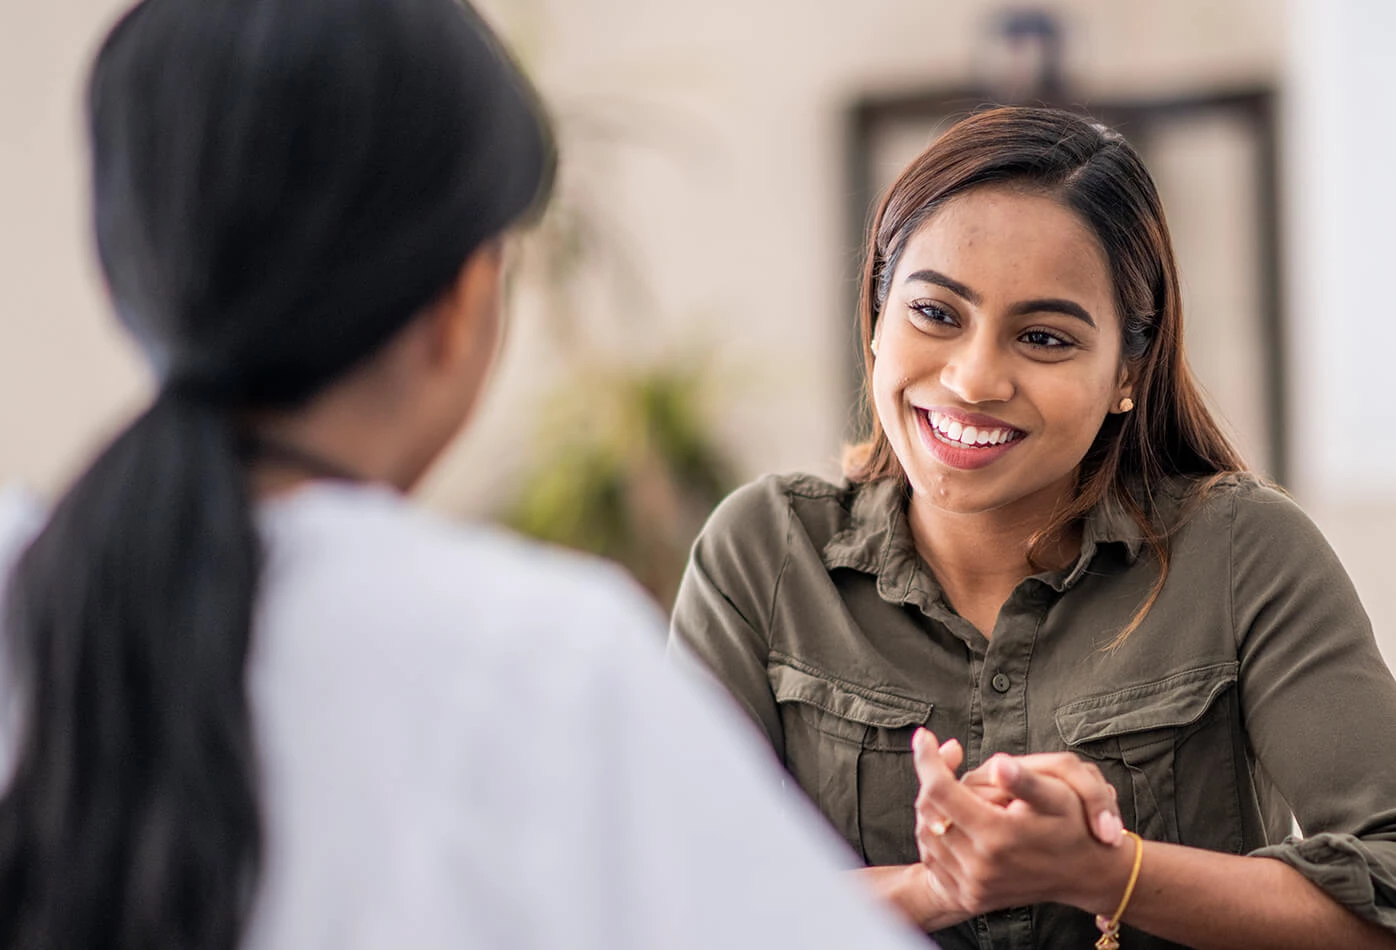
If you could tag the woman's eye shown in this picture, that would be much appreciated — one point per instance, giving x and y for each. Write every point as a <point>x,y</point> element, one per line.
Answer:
<point>1046,340</point>
<point>928,312</point>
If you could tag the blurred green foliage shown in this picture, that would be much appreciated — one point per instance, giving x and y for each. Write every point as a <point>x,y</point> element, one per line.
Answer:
<point>625,461</point>
<point>630,472</point>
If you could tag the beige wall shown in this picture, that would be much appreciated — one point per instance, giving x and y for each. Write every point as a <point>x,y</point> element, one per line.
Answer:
<point>734,219</point>
<point>65,375</point>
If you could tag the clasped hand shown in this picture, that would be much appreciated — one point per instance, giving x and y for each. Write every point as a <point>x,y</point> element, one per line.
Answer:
<point>1015,831</point>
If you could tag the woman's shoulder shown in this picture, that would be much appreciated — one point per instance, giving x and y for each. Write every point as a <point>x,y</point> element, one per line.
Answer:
<point>1252,512</point>
<point>339,546</point>
<point>1237,496</point>
<point>764,509</point>
<point>778,490</point>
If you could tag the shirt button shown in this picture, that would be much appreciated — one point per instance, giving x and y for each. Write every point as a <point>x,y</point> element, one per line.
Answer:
<point>1001,682</point>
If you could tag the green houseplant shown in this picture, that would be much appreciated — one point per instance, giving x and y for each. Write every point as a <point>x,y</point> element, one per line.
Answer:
<point>625,460</point>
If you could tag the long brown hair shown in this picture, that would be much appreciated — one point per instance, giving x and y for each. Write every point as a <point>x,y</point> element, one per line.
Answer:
<point>1094,172</point>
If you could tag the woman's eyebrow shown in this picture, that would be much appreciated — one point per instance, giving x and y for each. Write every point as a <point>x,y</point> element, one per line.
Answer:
<point>1042,305</point>
<point>1053,305</point>
<point>928,276</point>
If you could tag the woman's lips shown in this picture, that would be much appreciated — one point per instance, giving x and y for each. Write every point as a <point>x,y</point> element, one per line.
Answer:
<point>971,429</point>
<point>966,440</point>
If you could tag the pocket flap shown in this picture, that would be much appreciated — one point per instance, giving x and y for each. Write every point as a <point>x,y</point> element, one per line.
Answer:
<point>1174,701</point>
<point>845,700</point>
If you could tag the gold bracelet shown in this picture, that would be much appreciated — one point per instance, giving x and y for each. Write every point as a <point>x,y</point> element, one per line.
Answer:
<point>1110,926</point>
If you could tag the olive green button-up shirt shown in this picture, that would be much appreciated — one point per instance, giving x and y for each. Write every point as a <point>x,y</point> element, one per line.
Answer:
<point>1253,686</point>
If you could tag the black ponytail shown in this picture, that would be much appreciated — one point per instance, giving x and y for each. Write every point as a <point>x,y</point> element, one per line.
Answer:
<point>132,818</point>
<point>279,187</point>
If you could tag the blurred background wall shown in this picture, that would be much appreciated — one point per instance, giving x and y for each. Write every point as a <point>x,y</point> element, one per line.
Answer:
<point>687,306</point>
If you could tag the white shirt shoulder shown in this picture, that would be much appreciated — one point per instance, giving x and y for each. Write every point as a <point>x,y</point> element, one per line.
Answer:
<point>469,740</point>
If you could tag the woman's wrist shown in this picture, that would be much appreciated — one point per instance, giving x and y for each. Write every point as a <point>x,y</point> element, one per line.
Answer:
<point>1100,884</point>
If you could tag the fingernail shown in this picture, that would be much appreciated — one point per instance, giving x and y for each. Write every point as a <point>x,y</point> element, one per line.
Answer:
<point>1111,830</point>
<point>918,739</point>
<point>1008,769</point>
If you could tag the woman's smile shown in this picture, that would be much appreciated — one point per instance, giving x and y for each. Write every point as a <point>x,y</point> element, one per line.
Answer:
<point>966,440</point>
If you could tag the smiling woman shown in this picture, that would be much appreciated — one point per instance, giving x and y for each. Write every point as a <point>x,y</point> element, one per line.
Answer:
<point>1048,553</point>
<point>1012,328</point>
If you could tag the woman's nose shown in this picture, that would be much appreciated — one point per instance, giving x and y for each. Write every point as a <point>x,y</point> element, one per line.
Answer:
<point>978,371</point>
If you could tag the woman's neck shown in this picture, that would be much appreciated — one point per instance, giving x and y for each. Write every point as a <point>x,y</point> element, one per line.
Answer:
<point>343,434</point>
<point>979,558</point>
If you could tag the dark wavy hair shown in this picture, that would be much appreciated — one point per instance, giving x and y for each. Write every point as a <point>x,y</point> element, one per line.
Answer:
<point>1095,173</point>
<point>280,186</point>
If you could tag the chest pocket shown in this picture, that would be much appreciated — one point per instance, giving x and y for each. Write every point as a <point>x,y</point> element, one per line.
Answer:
<point>849,748</point>
<point>1168,747</point>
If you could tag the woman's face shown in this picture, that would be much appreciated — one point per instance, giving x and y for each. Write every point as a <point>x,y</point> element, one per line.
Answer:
<point>998,352</point>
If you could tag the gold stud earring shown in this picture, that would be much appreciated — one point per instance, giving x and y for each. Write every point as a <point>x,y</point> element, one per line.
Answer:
<point>1126,404</point>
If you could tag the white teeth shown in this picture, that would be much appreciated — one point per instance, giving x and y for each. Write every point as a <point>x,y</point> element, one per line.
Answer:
<point>968,435</point>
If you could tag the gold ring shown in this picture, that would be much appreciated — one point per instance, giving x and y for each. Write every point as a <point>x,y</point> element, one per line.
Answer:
<point>940,826</point>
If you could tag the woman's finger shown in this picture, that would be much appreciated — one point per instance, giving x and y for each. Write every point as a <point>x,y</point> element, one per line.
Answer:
<point>942,799</point>
<point>953,754</point>
<point>935,841</point>
<point>982,783</point>
<point>1099,799</point>
<point>989,792</point>
<point>1045,794</point>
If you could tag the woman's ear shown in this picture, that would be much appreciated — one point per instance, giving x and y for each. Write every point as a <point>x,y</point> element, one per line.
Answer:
<point>1124,391</point>
<point>466,317</point>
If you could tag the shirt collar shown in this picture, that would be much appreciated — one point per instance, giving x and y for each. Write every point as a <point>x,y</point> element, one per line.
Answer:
<point>878,541</point>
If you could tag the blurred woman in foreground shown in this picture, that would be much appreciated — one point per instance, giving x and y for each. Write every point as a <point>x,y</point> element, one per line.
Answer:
<point>254,698</point>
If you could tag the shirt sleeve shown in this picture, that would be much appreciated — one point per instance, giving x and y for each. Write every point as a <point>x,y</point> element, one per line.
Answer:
<point>1319,703</point>
<point>722,613</point>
